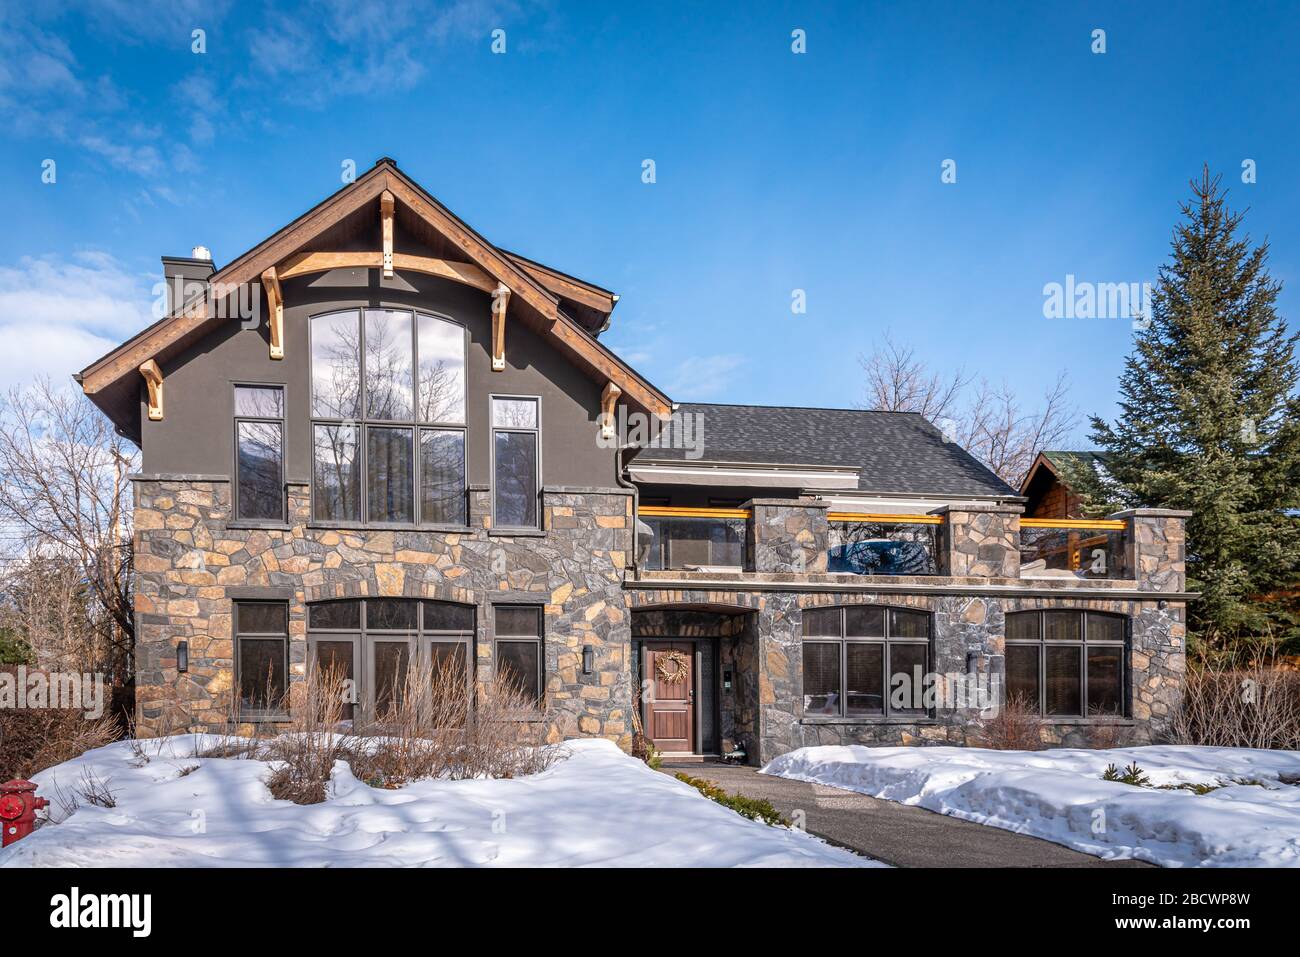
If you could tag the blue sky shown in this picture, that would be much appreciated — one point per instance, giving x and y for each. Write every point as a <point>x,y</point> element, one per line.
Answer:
<point>775,171</point>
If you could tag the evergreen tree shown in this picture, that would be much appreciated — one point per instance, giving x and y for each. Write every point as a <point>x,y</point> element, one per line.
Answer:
<point>1210,421</point>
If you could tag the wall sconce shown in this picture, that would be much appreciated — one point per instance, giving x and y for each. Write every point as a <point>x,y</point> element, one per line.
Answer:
<point>972,659</point>
<point>726,681</point>
<point>588,659</point>
<point>182,656</point>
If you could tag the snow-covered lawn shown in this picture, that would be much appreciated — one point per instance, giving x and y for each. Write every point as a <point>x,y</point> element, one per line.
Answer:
<point>1059,795</point>
<point>596,807</point>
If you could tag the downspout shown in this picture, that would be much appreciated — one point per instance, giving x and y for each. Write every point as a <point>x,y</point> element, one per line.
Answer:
<point>636,505</point>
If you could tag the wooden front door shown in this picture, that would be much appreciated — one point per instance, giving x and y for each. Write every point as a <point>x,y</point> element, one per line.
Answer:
<point>670,705</point>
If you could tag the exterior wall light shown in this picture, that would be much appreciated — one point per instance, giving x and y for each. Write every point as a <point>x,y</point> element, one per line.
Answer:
<point>182,656</point>
<point>588,659</point>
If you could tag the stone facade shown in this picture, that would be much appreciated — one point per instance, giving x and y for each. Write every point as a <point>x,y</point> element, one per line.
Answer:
<point>192,564</point>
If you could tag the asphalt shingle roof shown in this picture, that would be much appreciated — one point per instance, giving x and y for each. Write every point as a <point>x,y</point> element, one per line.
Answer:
<point>898,452</point>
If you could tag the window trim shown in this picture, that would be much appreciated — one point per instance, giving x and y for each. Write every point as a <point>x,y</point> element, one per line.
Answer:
<point>235,518</point>
<point>886,641</point>
<point>362,423</point>
<point>536,432</point>
<point>258,715</point>
<point>539,639</point>
<point>1082,644</point>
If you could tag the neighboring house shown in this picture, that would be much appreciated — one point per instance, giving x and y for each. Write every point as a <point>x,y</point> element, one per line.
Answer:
<point>1048,494</point>
<point>376,439</point>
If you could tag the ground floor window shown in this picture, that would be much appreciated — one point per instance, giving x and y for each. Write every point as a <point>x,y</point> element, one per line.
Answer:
<point>518,630</point>
<point>374,642</point>
<point>1067,662</point>
<point>261,657</point>
<point>864,661</point>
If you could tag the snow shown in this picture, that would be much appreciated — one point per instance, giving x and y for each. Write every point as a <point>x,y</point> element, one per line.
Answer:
<point>1059,795</point>
<point>597,806</point>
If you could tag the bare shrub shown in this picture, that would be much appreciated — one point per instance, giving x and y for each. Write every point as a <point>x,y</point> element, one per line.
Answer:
<point>1105,735</point>
<point>437,727</point>
<point>306,752</point>
<point>1240,699</point>
<point>1015,727</point>
<point>33,739</point>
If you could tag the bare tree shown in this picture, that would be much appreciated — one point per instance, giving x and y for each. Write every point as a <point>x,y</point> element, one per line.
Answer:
<point>992,423</point>
<point>897,381</point>
<point>998,430</point>
<point>64,504</point>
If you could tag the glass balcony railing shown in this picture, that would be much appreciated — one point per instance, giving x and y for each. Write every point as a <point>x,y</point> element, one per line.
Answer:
<point>882,544</point>
<point>694,539</point>
<point>1079,548</point>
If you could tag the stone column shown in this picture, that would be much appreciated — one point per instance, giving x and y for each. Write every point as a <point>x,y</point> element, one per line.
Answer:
<point>980,541</point>
<point>787,535</point>
<point>1155,548</point>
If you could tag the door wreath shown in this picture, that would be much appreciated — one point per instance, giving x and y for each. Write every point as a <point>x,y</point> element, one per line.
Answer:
<point>679,662</point>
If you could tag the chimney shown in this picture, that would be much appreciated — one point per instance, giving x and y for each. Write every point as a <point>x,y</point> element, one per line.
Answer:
<point>187,276</point>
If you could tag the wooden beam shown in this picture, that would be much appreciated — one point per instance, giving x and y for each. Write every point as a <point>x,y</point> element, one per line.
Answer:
<point>565,286</point>
<point>604,364</point>
<point>386,222</point>
<point>244,269</point>
<point>302,264</point>
<point>153,379</point>
<point>500,301</point>
<point>274,303</point>
<point>608,400</point>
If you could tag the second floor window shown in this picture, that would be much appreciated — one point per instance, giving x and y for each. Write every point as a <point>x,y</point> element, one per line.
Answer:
<point>388,418</point>
<point>259,453</point>
<point>515,473</point>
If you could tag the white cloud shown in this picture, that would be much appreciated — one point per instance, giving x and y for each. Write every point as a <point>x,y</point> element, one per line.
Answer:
<point>702,377</point>
<point>57,316</point>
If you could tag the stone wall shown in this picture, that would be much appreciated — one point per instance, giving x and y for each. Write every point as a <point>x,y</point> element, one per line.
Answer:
<point>787,536</point>
<point>980,541</point>
<point>191,565</point>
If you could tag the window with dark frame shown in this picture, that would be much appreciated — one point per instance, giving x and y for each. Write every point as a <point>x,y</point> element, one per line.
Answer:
<point>373,642</point>
<point>259,453</point>
<point>518,646</point>
<point>854,657</point>
<point>261,658</point>
<point>1068,663</point>
<point>516,437</point>
<point>388,418</point>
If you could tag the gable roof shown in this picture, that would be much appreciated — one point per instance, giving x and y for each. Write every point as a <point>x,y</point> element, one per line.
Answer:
<point>1053,460</point>
<point>543,292</point>
<point>895,452</point>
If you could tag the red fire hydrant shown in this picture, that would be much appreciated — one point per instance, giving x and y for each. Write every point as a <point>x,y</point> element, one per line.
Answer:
<point>18,807</point>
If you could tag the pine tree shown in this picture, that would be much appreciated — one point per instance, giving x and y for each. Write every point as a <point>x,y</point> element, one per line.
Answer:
<point>1210,421</point>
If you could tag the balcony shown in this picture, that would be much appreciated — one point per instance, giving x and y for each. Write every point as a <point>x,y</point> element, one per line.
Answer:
<point>693,539</point>
<point>864,544</point>
<point>1079,549</point>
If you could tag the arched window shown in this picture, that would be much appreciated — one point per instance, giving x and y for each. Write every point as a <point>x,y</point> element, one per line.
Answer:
<point>864,661</point>
<point>1069,663</point>
<point>388,418</point>
<point>374,641</point>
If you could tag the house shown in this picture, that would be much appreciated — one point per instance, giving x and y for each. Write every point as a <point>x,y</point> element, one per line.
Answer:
<point>376,439</point>
<point>1047,493</point>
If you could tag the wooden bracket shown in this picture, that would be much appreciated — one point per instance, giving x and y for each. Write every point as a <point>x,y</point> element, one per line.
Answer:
<point>274,302</point>
<point>154,380</point>
<point>500,300</point>
<point>386,221</point>
<point>608,401</point>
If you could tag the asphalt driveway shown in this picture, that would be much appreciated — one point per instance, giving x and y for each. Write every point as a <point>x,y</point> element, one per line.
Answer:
<point>894,833</point>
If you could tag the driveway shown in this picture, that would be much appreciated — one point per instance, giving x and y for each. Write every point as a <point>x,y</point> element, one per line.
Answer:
<point>894,833</point>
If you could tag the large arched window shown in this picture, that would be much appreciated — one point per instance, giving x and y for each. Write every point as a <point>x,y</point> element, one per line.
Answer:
<point>388,418</point>
<point>374,641</point>
<point>1067,663</point>
<point>864,661</point>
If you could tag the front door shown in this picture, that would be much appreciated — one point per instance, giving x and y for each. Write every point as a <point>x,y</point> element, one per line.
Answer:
<point>670,707</point>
